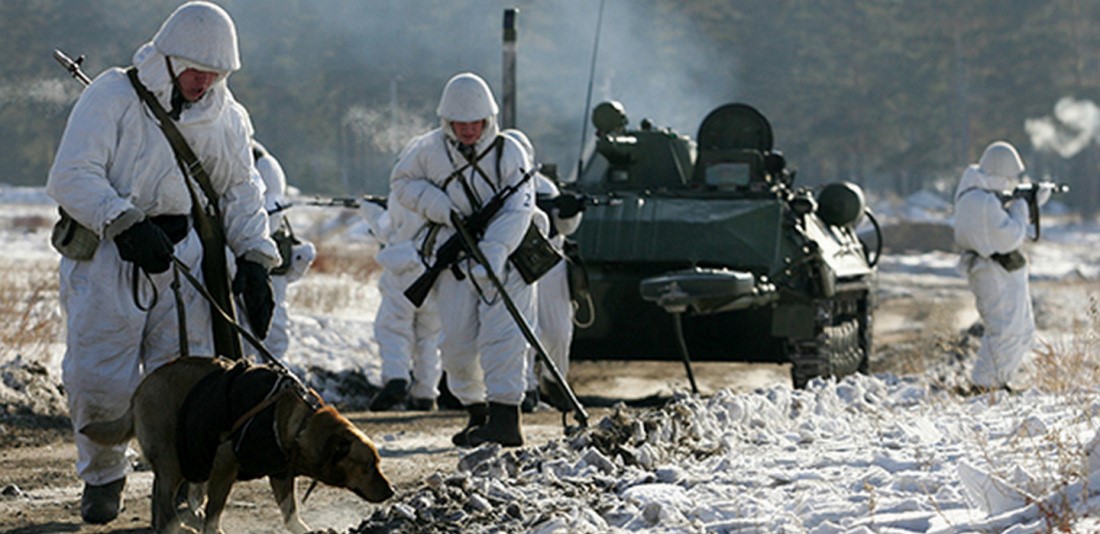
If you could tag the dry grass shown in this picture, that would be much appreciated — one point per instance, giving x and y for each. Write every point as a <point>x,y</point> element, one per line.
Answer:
<point>354,260</point>
<point>1065,366</point>
<point>346,271</point>
<point>31,320</point>
<point>29,315</point>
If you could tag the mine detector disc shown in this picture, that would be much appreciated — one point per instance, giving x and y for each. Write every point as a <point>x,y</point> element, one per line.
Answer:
<point>703,291</point>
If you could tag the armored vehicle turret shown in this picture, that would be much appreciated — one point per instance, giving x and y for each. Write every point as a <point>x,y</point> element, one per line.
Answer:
<point>707,248</point>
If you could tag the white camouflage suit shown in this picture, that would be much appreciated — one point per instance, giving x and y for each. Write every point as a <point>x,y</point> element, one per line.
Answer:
<point>984,226</point>
<point>482,349</point>
<point>272,181</point>
<point>554,324</point>
<point>407,336</point>
<point>555,309</point>
<point>113,167</point>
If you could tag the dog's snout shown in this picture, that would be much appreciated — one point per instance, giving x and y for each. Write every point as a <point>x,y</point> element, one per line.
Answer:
<point>385,493</point>
<point>377,488</point>
<point>376,494</point>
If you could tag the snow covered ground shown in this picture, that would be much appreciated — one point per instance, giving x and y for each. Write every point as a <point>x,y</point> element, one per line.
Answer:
<point>880,453</point>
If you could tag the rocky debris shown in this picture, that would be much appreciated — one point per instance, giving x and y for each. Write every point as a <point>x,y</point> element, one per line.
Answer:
<point>347,390</point>
<point>949,367</point>
<point>27,389</point>
<point>591,481</point>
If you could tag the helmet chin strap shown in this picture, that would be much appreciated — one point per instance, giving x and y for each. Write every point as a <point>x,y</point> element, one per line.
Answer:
<point>179,103</point>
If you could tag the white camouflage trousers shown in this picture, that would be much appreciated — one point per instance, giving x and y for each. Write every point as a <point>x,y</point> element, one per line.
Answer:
<point>111,344</point>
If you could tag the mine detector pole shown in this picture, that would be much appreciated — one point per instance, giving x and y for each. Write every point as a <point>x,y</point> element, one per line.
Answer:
<point>508,110</point>
<point>471,247</point>
<point>678,326</point>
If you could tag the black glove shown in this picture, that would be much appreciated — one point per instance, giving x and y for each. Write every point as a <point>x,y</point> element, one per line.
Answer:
<point>146,245</point>
<point>569,205</point>
<point>253,284</point>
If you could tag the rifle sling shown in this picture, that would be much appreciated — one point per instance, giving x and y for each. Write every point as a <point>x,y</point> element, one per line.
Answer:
<point>186,157</point>
<point>208,222</point>
<point>428,243</point>
<point>473,162</point>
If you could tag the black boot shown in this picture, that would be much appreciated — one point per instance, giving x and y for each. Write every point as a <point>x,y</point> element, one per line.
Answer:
<point>391,395</point>
<point>503,427</point>
<point>479,413</point>
<point>447,400</point>
<point>530,401</point>
<point>101,504</point>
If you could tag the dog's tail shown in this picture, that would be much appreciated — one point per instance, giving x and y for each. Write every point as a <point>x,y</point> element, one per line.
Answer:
<point>111,432</point>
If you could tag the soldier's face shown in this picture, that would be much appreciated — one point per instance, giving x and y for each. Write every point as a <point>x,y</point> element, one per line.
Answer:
<point>468,132</point>
<point>194,83</point>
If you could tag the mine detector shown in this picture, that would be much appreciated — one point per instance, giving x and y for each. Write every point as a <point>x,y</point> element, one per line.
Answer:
<point>708,251</point>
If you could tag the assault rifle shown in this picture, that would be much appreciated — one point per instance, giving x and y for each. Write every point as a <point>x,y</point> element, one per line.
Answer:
<point>453,248</point>
<point>569,203</point>
<point>1030,192</point>
<point>336,202</point>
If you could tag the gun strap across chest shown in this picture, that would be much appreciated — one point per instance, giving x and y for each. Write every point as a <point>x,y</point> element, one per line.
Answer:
<point>471,196</point>
<point>184,155</point>
<point>427,244</point>
<point>207,222</point>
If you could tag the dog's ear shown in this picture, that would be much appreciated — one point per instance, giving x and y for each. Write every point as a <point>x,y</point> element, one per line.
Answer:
<point>337,448</point>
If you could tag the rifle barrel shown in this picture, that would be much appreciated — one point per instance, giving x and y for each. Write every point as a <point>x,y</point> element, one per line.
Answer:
<point>72,66</point>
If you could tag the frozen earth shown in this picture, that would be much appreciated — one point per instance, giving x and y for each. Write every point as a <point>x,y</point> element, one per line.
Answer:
<point>895,452</point>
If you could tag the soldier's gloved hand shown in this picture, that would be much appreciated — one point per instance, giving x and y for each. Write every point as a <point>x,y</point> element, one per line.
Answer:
<point>146,245</point>
<point>569,205</point>
<point>1042,195</point>
<point>253,284</point>
<point>437,205</point>
<point>497,256</point>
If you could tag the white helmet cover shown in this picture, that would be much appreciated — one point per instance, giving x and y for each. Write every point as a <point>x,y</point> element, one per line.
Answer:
<point>467,98</point>
<point>202,33</point>
<point>1001,159</point>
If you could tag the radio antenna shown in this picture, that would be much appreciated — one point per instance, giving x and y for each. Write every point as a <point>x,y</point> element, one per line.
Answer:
<point>588,99</point>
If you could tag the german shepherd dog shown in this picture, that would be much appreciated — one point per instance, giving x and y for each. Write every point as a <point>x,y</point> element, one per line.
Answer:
<point>215,421</point>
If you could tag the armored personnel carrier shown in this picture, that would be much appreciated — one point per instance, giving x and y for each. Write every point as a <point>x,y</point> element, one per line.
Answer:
<point>706,248</point>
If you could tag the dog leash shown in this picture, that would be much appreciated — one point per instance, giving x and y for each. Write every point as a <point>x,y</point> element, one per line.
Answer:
<point>308,394</point>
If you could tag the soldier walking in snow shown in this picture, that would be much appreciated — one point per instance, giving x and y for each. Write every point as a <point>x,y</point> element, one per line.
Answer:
<point>115,173</point>
<point>457,168</point>
<point>991,231</point>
